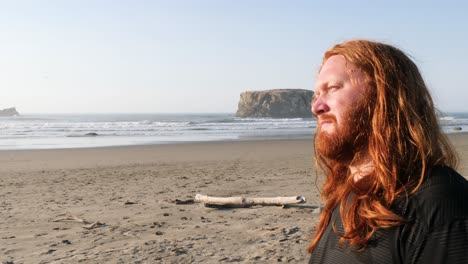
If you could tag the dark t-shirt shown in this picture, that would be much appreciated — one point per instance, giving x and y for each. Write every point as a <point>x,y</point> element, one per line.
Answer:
<point>437,230</point>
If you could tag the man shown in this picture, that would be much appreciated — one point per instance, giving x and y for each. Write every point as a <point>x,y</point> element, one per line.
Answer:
<point>391,195</point>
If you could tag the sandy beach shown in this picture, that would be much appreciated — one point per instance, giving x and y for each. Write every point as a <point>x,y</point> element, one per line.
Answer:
<point>126,196</point>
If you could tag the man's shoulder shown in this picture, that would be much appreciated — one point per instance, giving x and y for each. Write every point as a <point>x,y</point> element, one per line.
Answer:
<point>440,199</point>
<point>444,177</point>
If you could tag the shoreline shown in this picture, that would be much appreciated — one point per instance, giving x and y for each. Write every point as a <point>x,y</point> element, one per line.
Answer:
<point>103,141</point>
<point>278,137</point>
<point>168,143</point>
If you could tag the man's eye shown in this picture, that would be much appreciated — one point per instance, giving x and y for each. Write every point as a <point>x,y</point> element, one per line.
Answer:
<point>333,88</point>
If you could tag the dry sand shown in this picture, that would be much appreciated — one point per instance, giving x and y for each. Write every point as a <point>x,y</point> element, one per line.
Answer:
<point>131,191</point>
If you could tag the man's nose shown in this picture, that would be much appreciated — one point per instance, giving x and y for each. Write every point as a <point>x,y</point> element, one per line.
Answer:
<point>319,106</point>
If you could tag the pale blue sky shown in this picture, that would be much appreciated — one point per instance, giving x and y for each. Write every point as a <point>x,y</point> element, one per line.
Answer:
<point>198,56</point>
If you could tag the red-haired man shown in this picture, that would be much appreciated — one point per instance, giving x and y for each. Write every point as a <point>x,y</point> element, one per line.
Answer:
<point>391,193</point>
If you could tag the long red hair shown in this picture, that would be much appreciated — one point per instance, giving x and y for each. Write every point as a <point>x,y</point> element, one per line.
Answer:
<point>405,142</point>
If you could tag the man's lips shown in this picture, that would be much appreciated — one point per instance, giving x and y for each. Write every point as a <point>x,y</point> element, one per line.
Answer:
<point>324,122</point>
<point>326,119</point>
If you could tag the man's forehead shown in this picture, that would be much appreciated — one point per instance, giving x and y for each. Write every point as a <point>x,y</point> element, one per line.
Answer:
<point>336,67</point>
<point>333,68</point>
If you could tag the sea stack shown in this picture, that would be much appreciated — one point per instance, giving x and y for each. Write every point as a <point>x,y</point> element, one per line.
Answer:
<point>9,112</point>
<point>277,103</point>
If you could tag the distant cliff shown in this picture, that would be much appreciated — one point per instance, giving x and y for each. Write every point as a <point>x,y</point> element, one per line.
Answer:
<point>9,112</point>
<point>278,103</point>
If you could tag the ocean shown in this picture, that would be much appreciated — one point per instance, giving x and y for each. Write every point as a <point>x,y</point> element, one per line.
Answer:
<point>49,131</point>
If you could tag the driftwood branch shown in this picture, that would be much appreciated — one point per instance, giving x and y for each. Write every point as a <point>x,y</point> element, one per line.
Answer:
<point>67,217</point>
<point>211,201</point>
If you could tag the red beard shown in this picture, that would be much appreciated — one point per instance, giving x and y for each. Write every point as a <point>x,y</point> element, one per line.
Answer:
<point>349,139</point>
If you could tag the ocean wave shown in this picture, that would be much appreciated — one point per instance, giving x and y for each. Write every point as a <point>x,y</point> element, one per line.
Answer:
<point>216,121</point>
<point>90,134</point>
<point>198,129</point>
<point>230,120</point>
<point>262,119</point>
<point>447,118</point>
<point>146,122</point>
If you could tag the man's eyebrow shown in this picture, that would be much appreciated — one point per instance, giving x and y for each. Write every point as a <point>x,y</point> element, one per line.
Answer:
<point>322,86</point>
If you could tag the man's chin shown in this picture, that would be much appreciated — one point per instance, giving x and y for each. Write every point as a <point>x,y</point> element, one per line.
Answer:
<point>332,146</point>
<point>326,131</point>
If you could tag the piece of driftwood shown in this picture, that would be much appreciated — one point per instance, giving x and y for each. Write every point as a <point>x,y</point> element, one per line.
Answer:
<point>67,217</point>
<point>219,202</point>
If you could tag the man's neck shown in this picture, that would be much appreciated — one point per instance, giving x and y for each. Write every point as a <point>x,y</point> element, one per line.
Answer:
<point>362,169</point>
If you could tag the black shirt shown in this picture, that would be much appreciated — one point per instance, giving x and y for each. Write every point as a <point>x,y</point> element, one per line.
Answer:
<point>437,230</point>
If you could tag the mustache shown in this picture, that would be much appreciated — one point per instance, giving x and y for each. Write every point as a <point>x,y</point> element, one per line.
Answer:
<point>327,117</point>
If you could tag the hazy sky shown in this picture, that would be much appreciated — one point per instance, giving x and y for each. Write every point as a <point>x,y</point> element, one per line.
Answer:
<point>198,56</point>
